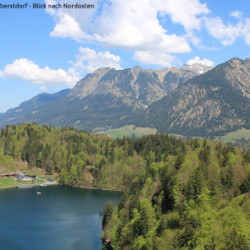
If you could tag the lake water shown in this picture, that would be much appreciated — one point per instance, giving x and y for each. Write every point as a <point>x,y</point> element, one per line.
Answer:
<point>59,218</point>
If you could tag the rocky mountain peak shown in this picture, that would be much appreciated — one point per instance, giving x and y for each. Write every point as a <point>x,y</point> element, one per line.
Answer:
<point>99,73</point>
<point>197,68</point>
<point>213,103</point>
<point>235,62</point>
<point>237,72</point>
<point>137,67</point>
<point>136,86</point>
<point>247,61</point>
<point>89,83</point>
<point>136,70</point>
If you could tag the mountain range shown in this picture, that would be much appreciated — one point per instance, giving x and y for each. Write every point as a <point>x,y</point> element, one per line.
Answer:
<point>191,100</point>
<point>212,103</point>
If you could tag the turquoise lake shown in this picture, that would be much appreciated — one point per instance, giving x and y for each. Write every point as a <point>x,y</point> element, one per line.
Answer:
<point>59,218</point>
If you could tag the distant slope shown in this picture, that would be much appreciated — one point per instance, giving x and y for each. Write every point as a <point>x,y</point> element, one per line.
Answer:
<point>213,103</point>
<point>93,111</point>
<point>26,109</point>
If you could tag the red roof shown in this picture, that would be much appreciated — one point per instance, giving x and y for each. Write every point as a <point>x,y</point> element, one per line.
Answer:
<point>108,240</point>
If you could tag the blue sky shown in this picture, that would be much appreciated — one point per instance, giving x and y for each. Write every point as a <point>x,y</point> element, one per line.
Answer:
<point>46,50</point>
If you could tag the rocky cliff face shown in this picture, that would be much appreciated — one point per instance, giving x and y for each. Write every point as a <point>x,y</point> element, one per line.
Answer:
<point>136,87</point>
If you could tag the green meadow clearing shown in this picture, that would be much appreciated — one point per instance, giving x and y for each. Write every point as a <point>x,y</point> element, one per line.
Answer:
<point>234,136</point>
<point>130,131</point>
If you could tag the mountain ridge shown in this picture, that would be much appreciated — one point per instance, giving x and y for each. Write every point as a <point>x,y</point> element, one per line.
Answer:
<point>209,104</point>
<point>128,90</point>
<point>173,100</point>
<point>15,115</point>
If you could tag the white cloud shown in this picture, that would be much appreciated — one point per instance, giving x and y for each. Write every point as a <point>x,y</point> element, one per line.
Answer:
<point>197,59</point>
<point>26,70</point>
<point>226,34</point>
<point>70,23</point>
<point>185,12</point>
<point>237,14</point>
<point>134,25</point>
<point>89,60</point>
<point>193,38</point>
<point>157,58</point>
<point>130,25</point>
<point>68,27</point>
<point>246,31</point>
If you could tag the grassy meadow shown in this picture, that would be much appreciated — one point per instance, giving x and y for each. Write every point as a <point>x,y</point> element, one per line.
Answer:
<point>234,136</point>
<point>130,131</point>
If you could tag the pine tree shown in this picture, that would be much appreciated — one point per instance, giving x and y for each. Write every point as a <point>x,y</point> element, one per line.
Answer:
<point>107,213</point>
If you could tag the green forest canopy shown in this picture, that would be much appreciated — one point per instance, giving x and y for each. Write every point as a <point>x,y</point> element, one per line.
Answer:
<point>177,194</point>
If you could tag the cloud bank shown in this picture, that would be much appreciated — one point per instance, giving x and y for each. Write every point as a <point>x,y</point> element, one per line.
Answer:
<point>26,70</point>
<point>132,25</point>
<point>87,60</point>
<point>135,26</point>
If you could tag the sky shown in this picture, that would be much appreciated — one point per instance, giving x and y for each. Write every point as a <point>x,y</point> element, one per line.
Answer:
<point>50,49</point>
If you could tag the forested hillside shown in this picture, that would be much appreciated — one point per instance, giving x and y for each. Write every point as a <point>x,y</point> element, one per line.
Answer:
<point>82,158</point>
<point>198,199</point>
<point>177,194</point>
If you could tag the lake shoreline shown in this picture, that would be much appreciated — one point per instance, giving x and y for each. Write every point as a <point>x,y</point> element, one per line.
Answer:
<point>20,184</point>
<point>104,189</point>
<point>81,187</point>
<point>8,187</point>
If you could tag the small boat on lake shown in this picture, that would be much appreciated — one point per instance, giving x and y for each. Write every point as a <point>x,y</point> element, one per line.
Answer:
<point>43,185</point>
